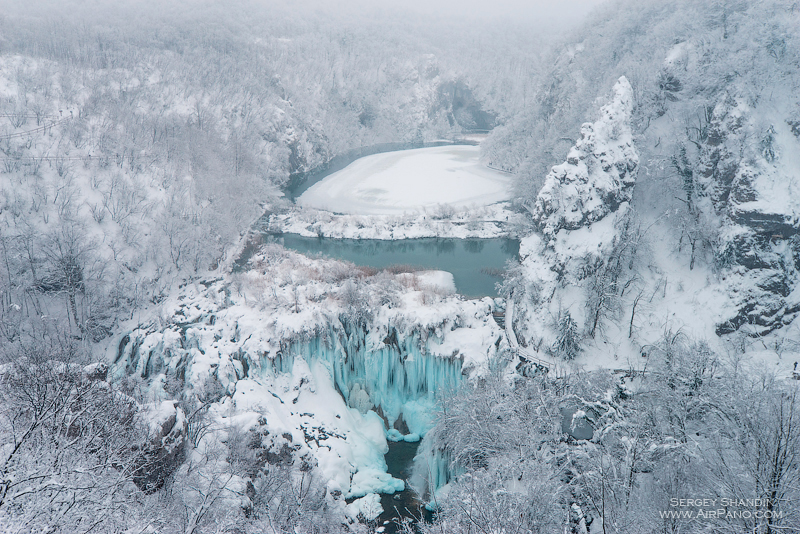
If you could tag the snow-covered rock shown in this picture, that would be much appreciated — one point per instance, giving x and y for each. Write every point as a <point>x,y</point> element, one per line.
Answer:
<point>582,213</point>
<point>599,172</point>
<point>753,188</point>
<point>366,508</point>
<point>168,431</point>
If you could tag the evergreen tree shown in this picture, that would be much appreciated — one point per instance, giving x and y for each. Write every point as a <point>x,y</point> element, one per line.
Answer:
<point>567,344</point>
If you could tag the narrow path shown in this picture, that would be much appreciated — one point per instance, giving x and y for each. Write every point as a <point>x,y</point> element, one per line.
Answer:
<point>509,320</point>
<point>513,342</point>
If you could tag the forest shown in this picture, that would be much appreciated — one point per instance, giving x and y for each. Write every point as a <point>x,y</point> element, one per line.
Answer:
<point>169,365</point>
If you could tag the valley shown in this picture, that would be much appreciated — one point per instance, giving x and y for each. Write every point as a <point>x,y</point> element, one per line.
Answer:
<point>308,268</point>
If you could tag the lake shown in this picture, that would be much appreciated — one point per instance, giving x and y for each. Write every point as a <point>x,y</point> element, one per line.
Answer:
<point>476,264</point>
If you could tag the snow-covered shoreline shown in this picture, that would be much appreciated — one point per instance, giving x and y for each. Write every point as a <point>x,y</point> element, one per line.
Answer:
<point>493,221</point>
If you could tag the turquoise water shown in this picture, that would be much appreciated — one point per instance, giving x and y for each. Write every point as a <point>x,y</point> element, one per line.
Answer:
<point>476,264</point>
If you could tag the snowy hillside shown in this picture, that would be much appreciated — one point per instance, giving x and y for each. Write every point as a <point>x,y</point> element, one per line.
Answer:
<point>715,152</point>
<point>166,368</point>
<point>127,166</point>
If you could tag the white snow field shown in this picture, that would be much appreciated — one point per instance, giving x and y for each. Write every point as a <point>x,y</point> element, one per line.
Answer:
<point>410,181</point>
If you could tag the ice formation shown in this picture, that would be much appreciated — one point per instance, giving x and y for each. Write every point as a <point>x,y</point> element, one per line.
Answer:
<point>334,360</point>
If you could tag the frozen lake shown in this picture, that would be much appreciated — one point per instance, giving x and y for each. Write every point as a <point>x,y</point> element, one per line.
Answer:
<point>409,181</point>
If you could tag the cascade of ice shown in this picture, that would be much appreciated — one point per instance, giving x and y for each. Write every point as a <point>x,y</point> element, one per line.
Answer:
<point>433,470</point>
<point>399,372</point>
<point>397,376</point>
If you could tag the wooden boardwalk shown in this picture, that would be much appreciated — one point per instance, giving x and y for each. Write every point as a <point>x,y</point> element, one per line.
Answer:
<point>524,355</point>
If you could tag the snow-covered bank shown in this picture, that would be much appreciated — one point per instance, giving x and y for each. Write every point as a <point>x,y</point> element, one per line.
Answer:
<point>409,181</point>
<point>442,220</point>
<point>318,359</point>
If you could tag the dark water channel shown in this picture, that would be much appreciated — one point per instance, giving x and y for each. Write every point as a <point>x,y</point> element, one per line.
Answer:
<point>404,504</point>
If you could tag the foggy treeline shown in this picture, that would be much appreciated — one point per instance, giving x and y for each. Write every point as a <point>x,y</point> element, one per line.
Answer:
<point>142,145</point>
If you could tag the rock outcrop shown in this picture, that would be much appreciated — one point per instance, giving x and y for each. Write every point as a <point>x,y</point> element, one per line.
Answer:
<point>163,452</point>
<point>599,172</point>
<point>750,171</point>
<point>583,223</point>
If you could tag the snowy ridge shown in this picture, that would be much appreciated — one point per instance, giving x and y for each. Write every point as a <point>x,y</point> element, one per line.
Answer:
<point>598,174</point>
<point>582,212</point>
<point>330,357</point>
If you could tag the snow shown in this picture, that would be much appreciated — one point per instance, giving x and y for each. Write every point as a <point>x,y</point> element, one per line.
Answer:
<point>580,213</point>
<point>368,507</point>
<point>298,368</point>
<point>673,299</point>
<point>677,54</point>
<point>394,435</point>
<point>440,221</point>
<point>435,280</point>
<point>158,417</point>
<point>775,186</point>
<point>406,181</point>
<point>349,446</point>
<point>373,479</point>
<point>599,172</point>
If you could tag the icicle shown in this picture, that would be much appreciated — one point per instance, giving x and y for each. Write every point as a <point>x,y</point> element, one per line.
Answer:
<point>401,379</point>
